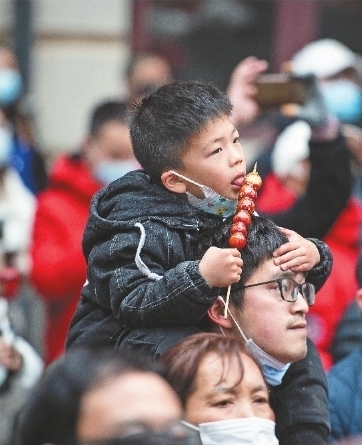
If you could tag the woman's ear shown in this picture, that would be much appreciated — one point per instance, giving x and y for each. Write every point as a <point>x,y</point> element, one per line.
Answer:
<point>173,182</point>
<point>216,314</point>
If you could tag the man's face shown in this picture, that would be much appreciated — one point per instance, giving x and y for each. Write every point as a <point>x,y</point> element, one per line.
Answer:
<point>131,403</point>
<point>276,326</point>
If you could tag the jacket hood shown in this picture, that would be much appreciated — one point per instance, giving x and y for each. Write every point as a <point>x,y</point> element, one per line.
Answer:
<point>135,199</point>
<point>70,172</point>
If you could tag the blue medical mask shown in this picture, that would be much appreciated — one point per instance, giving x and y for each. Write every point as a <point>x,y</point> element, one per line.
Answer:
<point>273,370</point>
<point>213,203</point>
<point>242,431</point>
<point>108,171</point>
<point>343,99</point>
<point>6,145</point>
<point>10,86</point>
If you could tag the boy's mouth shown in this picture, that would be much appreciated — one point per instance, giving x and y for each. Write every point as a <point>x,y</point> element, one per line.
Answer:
<point>238,181</point>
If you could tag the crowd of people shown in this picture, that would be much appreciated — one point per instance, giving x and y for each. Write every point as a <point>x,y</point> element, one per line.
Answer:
<point>156,331</point>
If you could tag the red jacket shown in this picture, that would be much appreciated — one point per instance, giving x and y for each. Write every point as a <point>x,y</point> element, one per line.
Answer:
<point>340,288</point>
<point>58,266</point>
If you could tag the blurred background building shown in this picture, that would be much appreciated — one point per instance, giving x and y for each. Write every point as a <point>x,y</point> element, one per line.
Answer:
<point>74,53</point>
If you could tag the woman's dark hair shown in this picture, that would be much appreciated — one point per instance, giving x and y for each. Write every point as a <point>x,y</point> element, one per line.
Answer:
<point>163,123</point>
<point>51,412</point>
<point>183,360</point>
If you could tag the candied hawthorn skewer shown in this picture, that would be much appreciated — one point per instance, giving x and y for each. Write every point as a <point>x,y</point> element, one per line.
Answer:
<point>245,208</point>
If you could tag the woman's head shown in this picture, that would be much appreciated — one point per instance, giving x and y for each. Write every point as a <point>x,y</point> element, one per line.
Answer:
<point>216,380</point>
<point>93,396</point>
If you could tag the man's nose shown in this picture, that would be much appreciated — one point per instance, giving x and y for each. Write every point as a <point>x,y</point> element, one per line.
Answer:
<point>300,305</point>
<point>244,409</point>
<point>236,155</point>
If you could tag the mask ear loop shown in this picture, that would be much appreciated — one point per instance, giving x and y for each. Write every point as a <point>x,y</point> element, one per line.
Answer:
<point>226,309</point>
<point>233,319</point>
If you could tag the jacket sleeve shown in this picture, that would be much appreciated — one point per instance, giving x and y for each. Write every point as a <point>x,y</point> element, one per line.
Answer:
<point>157,288</point>
<point>319,274</point>
<point>329,188</point>
<point>300,402</point>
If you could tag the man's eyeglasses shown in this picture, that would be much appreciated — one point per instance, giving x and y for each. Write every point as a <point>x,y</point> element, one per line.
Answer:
<point>289,289</point>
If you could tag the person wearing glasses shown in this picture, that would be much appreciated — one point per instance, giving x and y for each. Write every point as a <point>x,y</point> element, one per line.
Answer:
<point>267,311</point>
<point>96,397</point>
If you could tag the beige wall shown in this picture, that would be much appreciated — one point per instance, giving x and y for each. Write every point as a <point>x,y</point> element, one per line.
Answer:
<point>80,49</point>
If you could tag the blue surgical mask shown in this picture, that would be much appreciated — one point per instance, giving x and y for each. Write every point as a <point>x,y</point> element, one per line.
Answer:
<point>213,203</point>
<point>343,99</point>
<point>10,86</point>
<point>108,171</point>
<point>6,144</point>
<point>273,370</point>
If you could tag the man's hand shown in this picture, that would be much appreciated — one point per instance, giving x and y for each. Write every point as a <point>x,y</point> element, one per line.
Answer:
<point>221,267</point>
<point>299,255</point>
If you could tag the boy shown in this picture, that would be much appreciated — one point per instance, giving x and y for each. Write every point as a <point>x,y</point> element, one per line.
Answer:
<point>142,233</point>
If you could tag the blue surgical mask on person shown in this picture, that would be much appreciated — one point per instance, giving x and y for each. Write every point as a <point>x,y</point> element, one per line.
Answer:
<point>10,86</point>
<point>343,99</point>
<point>108,171</point>
<point>6,144</point>
<point>242,431</point>
<point>212,203</point>
<point>273,370</point>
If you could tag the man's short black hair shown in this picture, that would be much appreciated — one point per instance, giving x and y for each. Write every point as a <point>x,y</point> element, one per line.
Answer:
<point>104,112</point>
<point>163,123</point>
<point>263,238</point>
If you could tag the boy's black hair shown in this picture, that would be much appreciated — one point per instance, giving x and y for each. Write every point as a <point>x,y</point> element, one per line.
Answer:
<point>104,112</point>
<point>263,238</point>
<point>163,123</point>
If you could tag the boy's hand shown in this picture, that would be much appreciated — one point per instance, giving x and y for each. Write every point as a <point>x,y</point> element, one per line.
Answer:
<point>221,267</point>
<point>10,358</point>
<point>299,255</point>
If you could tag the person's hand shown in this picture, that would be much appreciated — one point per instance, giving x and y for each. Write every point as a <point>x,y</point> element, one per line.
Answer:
<point>221,267</point>
<point>10,358</point>
<point>242,89</point>
<point>314,111</point>
<point>298,255</point>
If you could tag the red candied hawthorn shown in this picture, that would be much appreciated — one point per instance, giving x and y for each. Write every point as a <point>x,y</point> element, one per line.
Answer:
<point>239,227</point>
<point>237,240</point>
<point>242,216</point>
<point>246,204</point>
<point>247,191</point>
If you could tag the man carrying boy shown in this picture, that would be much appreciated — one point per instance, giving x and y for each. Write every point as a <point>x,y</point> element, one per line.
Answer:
<point>143,229</point>
<point>146,284</point>
<point>267,310</point>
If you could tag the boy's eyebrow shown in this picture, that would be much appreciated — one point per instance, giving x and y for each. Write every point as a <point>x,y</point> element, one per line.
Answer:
<point>219,139</point>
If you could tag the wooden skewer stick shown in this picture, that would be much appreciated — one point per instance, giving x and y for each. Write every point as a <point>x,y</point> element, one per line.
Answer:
<point>227,302</point>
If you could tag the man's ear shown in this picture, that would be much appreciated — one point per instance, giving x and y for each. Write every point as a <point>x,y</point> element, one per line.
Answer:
<point>359,298</point>
<point>173,182</point>
<point>216,314</point>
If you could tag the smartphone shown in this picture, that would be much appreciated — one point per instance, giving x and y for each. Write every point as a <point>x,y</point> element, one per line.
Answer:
<point>278,89</point>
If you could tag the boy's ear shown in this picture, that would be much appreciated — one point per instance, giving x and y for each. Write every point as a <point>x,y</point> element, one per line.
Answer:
<point>173,182</point>
<point>216,314</point>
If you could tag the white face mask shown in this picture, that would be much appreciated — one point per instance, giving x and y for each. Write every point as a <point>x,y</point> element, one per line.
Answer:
<point>273,370</point>
<point>245,431</point>
<point>108,171</point>
<point>213,203</point>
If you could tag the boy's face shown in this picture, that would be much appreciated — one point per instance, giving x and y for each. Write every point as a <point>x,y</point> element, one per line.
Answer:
<point>276,326</point>
<point>215,158</point>
<point>220,394</point>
